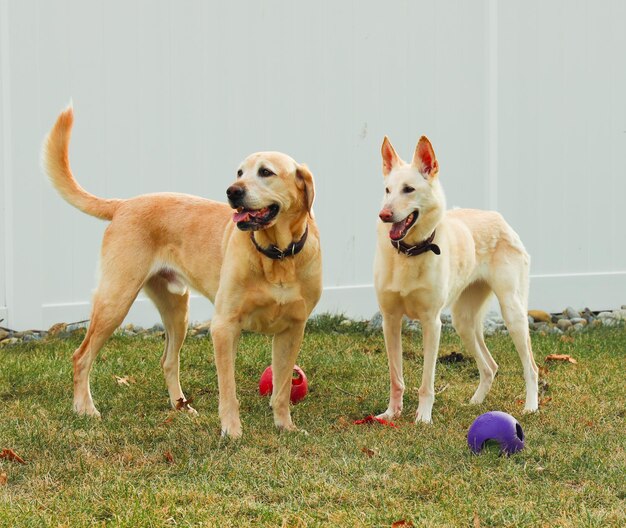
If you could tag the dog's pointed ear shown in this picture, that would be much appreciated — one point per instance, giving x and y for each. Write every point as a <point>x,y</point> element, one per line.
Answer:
<point>304,180</point>
<point>424,159</point>
<point>390,158</point>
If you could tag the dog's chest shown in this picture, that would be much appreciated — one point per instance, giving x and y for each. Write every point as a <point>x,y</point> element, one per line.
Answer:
<point>275,309</point>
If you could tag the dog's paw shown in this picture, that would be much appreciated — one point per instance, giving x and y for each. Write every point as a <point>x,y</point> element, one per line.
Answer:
<point>231,429</point>
<point>87,410</point>
<point>423,417</point>
<point>389,415</point>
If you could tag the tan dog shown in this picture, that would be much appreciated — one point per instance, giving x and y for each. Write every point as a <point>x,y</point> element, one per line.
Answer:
<point>166,243</point>
<point>428,258</point>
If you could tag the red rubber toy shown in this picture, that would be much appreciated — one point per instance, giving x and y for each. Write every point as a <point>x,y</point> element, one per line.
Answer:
<point>299,384</point>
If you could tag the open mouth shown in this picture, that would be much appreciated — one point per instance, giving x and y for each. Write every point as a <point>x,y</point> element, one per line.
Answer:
<point>255,219</point>
<point>399,229</point>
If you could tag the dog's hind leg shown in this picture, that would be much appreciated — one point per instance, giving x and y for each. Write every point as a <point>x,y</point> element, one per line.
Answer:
<point>392,330</point>
<point>511,288</point>
<point>111,303</point>
<point>467,317</point>
<point>174,309</point>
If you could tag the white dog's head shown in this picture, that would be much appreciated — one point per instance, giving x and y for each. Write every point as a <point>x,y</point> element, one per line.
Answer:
<point>412,191</point>
<point>270,187</point>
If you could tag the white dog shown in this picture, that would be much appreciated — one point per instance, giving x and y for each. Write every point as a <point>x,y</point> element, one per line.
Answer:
<point>428,258</point>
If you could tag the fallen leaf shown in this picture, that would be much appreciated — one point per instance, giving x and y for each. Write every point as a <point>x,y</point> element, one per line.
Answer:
<point>3,479</point>
<point>182,403</point>
<point>543,371</point>
<point>567,339</point>
<point>401,522</point>
<point>369,452</point>
<point>476,520</point>
<point>519,402</point>
<point>9,454</point>
<point>126,380</point>
<point>168,420</point>
<point>169,458</point>
<point>545,400</point>
<point>561,357</point>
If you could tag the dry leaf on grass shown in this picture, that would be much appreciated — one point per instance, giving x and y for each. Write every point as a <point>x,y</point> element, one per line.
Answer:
<point>476,520</point>
<point>561,357</point>
<point>182,403</point>
<point>169,458</point>
<point>545,400</point>
<point>168,420</point>
<point>369,452</point>
<point>543,371</point>
<point>567,339</point>
<point>126,380</point>
<point>9,454</point>
<point>3,479</point>
<point>401,522</point>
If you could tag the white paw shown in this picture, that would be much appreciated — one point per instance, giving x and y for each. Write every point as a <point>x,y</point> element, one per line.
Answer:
<point>423,417</point>
<point>232,428</point>
<point>389,415</point>
<point>86,410</point>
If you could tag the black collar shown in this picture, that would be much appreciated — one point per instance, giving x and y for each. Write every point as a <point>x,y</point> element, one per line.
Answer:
<point>417,249</point>
<point>276,253</point>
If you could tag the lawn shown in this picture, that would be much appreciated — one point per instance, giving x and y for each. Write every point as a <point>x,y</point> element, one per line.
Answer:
<point>145,465</point>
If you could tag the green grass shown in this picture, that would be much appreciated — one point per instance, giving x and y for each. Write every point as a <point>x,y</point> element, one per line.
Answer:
<point>113,472</point>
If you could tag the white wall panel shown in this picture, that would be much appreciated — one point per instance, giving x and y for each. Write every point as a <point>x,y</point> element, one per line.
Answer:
<point>523,102</point>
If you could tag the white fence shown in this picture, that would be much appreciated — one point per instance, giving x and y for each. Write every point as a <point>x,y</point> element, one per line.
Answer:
<point>525,103</point>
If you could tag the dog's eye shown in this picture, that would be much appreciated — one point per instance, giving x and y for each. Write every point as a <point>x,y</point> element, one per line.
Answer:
<point>408,190</point>
<point>387,190</point>
<point>239,173</point>
<point>264,173</point>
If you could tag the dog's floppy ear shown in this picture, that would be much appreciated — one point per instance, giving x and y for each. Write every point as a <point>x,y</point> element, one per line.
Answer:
<point>424,159</point>
<point>390,158</point>
<point>304,180</point>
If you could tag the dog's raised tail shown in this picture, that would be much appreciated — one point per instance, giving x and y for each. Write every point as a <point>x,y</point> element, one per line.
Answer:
<point>56,164</point>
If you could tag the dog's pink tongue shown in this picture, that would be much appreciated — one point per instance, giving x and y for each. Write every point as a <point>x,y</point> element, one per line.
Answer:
<point>243,216</point>
<point>397,230</point>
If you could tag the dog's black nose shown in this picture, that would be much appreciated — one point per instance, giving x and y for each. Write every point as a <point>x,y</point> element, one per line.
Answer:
<point>235,193</point>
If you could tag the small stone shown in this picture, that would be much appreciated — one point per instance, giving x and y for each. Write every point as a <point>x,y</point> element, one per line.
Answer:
<point>446,318</point>
<point>375,324</point>
<point>75,327</point>
<point>588,315</point>
<point>555,330</point>
<point>530,320</point>
<point>620,314</point>
<point>563,324</point>
<point>346,322</point>
<point>31,337</point>
<point>570,313</point>
<point>540,316</point>
<point>608,321</point>
<point>3,334</point>
<point>540,327</point>
<point>578,327</point>
<point>606,315</point>
<point>579,320</point>
<point>9,341</point>
<point>158,327</point>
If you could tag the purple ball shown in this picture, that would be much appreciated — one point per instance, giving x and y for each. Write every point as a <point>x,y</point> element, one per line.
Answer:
<point>499,427</point>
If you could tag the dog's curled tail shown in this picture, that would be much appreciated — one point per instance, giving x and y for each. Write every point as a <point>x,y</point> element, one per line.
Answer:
<point>56,164</point>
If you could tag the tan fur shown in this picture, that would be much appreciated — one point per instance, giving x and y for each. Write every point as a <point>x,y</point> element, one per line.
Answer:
<point>167,242</point>
<point>480,254</point>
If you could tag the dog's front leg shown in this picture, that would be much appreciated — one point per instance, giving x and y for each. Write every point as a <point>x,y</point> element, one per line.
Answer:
<point>285,348</point>
<point>225,335</point>
<point>431,325</point>
<point>392,331</point>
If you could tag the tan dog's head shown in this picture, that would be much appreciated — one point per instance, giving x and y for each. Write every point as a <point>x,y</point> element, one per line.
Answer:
<point>270,186</point>
<point>412,191</point>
